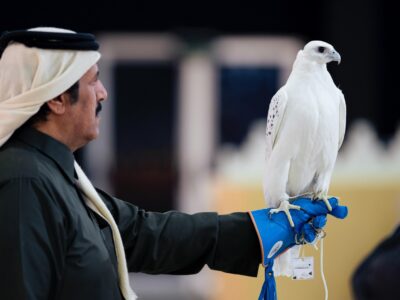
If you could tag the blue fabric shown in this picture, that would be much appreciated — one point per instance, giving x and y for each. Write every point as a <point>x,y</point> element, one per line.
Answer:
<point>277,235</point>
<point>268,291</point>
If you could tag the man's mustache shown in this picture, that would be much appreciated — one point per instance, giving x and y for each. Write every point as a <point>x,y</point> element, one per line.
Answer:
<point>98,109</point>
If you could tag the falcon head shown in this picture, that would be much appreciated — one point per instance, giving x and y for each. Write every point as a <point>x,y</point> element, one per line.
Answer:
<point>321,52</point>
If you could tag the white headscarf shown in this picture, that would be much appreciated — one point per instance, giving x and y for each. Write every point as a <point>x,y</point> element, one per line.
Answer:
<point>29,77</point>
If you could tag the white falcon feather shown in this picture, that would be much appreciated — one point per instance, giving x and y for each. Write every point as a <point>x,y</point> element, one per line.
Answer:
<point>305,129</point>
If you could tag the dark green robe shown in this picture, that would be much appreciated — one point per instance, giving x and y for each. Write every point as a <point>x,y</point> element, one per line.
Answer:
<point>53,247</point>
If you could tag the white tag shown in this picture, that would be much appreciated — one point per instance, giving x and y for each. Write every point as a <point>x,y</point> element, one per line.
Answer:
<point>303,268</point>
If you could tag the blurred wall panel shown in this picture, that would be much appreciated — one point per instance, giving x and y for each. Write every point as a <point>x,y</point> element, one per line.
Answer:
<point>145,172</point>
<point>250,70</point>
<point>134,155</point>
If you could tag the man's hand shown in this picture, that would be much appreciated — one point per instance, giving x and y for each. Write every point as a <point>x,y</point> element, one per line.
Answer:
<point>275,233</point>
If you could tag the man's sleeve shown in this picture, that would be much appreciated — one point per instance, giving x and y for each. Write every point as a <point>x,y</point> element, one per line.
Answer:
<point>179,243</point>
<point>32,241</point>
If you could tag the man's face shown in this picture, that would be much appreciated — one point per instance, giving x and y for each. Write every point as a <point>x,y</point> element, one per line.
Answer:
<point>84,113</point>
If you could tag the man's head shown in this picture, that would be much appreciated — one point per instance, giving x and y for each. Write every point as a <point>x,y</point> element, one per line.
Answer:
<point>73,116</point>
<point>55,69</point>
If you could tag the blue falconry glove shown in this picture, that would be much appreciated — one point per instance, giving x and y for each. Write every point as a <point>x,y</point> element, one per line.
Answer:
<point>276,235</point>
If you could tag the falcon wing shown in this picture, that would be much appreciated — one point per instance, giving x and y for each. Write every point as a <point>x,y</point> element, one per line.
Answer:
<point>342,119</point>
<point>275,115</point>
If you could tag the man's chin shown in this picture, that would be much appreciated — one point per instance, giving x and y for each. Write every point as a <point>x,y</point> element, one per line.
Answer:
<point>87,140</point>
<point>92,135</point>
<point>95,134</point>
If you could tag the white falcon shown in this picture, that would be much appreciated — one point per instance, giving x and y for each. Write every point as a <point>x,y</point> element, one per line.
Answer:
<point>305,129</point>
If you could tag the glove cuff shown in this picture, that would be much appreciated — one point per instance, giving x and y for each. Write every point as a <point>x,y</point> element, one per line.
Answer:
<point>252,217</point>
<point>274,233</point>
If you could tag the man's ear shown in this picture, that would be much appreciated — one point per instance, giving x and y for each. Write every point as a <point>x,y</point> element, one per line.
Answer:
<point>58,104</point>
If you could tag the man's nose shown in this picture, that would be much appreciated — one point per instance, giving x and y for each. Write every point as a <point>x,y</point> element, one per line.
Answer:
<point>102,92</point>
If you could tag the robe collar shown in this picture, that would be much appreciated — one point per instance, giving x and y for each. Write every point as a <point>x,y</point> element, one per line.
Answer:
<point>50,147</point>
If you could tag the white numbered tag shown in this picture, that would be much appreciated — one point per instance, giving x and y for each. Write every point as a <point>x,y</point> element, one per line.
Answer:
<point>303,268</point>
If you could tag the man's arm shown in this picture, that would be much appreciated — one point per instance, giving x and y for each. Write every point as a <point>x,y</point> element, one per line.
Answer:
<point>179,243</point>
<point>32,243</point>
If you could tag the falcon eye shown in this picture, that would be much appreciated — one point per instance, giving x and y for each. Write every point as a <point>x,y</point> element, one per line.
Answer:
<point>321,49</point>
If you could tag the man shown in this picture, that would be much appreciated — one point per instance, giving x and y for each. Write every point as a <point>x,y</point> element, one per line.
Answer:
<point>60,238</point>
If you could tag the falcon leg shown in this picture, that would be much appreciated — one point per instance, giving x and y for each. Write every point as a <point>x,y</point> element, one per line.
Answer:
<point>285,206</point>
<point>323,197</point>
<point>322,186</point>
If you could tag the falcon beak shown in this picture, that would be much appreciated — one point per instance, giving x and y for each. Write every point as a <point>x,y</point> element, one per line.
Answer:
<point>335,56</point>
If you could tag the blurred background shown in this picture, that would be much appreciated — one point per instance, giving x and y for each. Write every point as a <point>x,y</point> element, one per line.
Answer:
<point>189,87</point>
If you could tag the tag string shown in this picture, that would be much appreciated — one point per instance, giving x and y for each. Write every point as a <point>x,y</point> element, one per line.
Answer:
<point>322,269</point>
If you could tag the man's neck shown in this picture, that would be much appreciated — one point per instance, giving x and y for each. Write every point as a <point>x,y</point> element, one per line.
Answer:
<point>61,135</point>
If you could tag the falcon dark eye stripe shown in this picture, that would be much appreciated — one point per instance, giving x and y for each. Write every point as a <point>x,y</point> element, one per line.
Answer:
<point>321,49</point>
